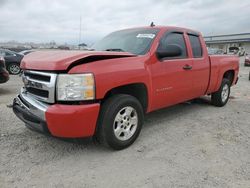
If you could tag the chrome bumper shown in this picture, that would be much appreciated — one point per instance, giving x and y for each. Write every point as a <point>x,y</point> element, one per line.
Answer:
<point>31,111</point>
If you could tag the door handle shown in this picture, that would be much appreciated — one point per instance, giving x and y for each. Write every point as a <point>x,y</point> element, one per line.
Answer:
<point>187,67</point>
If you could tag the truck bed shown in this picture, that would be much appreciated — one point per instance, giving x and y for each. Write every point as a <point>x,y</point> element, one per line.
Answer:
<point>219,64</point>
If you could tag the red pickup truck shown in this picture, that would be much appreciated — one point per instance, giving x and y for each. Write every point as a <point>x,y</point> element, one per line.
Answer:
<point>105,92</point>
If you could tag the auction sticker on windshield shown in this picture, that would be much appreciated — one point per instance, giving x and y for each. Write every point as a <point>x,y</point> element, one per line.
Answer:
<point>146,35</point>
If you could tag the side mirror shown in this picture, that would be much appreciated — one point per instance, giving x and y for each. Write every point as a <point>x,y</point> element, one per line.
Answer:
<point>170,50</point>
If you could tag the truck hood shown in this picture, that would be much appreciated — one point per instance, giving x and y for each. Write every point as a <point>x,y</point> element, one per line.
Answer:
<point>64,60</point>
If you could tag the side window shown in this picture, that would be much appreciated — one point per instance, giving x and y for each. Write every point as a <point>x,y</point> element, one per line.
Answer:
<point>196,46</point>
<point>8,53</point>
<point>174,39</point>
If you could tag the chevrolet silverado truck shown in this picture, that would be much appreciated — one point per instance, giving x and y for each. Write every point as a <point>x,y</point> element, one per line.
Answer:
<point>105,92</point>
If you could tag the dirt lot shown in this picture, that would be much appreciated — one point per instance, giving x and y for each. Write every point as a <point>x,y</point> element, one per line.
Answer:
<point>188,145</point>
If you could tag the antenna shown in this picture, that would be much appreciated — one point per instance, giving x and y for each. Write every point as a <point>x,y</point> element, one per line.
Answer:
<point>152,24</point>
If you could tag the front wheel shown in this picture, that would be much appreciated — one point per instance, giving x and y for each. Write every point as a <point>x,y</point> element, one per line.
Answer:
<point>120,121</point>
<point>220,97</point>
<point>14,68</point>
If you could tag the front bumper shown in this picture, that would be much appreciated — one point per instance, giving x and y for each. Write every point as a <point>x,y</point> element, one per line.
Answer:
<point>68,121</point>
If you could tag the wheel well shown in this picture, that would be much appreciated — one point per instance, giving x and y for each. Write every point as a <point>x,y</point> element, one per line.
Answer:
<point>138,90</point>
<point>229,75</point>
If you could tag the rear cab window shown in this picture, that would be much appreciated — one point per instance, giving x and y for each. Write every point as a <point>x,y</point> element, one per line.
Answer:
<point>196,45</point>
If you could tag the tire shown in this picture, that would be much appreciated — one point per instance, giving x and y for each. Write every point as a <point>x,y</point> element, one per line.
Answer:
<point>120,121</point>
<point>220,97</point>
<point>14,68</point>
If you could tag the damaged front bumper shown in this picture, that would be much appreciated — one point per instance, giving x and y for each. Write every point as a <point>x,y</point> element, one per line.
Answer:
<point>31,112</point>
<point>59,120</point>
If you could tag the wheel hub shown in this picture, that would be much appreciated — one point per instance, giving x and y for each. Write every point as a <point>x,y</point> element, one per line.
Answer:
<point>14,69</point>
<point>125,123</point>
<point>225,93</point>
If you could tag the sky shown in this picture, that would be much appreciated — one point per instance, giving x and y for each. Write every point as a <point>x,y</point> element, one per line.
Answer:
<point>59,20</point>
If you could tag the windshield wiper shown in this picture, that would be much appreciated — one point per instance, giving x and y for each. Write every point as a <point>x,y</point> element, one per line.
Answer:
<point>115,50</point>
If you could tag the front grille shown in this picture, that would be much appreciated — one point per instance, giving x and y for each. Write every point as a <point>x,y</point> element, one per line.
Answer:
<point>37,76</point>
<point>40,85</point>
<point>38,92</point>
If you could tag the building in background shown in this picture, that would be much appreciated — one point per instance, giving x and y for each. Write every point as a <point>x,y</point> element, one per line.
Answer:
<point>230,43</point>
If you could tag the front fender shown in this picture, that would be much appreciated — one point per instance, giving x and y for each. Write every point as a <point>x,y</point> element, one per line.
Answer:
<point>114,73</point>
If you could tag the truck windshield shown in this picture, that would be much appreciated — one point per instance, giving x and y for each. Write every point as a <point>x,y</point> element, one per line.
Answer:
<point>136,41</point>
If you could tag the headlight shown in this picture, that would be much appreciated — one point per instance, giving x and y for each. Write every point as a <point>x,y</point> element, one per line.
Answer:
<point>75,87</point>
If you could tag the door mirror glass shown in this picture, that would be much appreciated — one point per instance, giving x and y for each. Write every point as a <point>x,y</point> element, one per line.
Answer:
<point>171,50</point>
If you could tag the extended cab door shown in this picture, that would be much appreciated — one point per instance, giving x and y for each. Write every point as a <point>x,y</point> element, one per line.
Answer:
<point>201,66</point>
<point>171,76</point>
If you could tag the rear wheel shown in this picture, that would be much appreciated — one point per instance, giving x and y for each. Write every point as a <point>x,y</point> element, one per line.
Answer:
<point>14,68</point>
<point>220,97</point>
<point>120,121</point>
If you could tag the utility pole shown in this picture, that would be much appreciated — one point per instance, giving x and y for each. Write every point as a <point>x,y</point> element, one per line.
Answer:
<point>80,32</point>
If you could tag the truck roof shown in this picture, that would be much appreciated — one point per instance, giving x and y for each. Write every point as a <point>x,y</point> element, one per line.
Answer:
<point>160,27</point>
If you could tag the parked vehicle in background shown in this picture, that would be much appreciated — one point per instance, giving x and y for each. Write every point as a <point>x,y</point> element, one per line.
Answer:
<point>247,60</point>
<point>25,52</point>
<point>233,50</point>
<point>12,60</point>
<point>4,75</point>
<point>215,51</point>
<point>106,92</point>
<point>63,47</point>
<point>241,51</point>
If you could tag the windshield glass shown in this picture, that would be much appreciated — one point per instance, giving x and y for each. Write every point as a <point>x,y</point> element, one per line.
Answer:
<point>136,41</point>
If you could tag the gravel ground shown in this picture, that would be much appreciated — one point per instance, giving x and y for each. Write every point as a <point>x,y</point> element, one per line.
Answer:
<point>187,145</point>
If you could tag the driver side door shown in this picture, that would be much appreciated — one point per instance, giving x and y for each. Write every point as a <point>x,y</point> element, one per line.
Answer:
<point>172,76</point>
